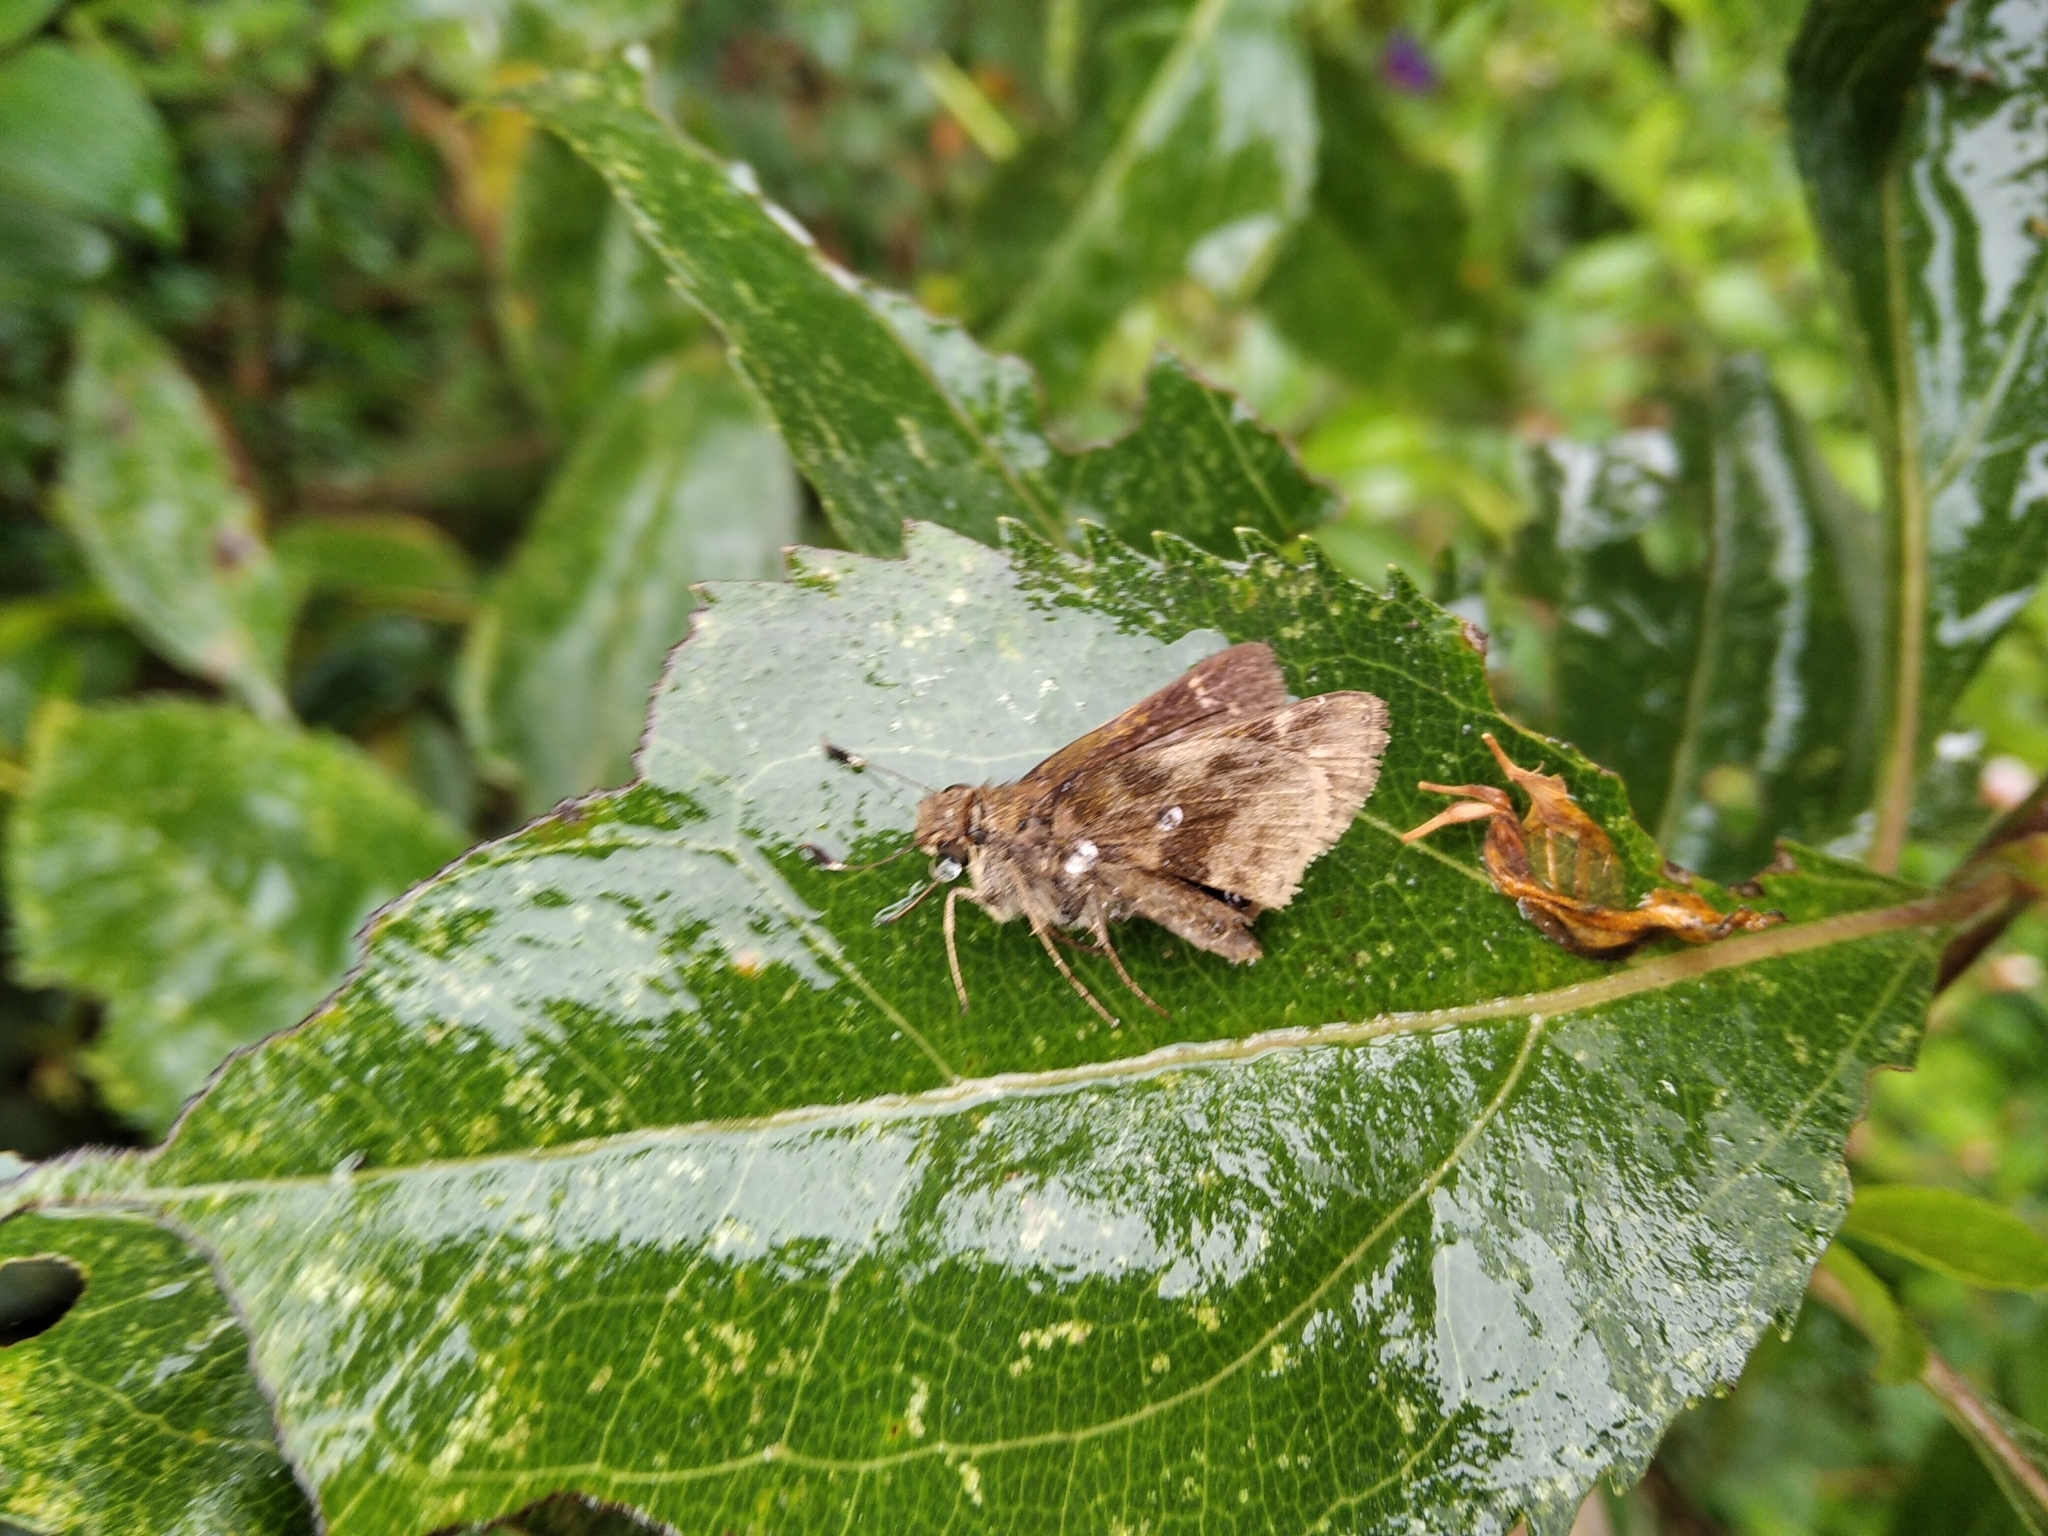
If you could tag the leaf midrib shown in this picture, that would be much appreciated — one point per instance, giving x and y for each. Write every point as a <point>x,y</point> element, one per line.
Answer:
<point>1656,974</point>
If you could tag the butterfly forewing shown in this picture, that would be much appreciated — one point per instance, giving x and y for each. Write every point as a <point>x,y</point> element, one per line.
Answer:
<point>1240,683</point>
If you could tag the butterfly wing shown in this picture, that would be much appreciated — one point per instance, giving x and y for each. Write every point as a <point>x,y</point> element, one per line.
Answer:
<point>1241,807</point>
<point>1240,683</point>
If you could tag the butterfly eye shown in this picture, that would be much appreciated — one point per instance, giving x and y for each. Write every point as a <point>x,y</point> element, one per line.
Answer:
<point>946,869</point>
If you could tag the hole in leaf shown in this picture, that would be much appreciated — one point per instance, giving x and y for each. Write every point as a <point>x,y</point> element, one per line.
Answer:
<point>569,1514</point>
<point>34,1296</point>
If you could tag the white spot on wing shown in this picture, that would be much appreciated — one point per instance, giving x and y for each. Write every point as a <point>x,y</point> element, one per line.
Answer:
<point>1082,859</point>
<point>1170,818</point>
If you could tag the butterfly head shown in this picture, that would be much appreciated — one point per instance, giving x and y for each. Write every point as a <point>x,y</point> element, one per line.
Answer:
<point>949,826</point>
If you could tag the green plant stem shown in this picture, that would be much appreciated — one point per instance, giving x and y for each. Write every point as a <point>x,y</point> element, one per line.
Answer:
<point>1958,1398</point>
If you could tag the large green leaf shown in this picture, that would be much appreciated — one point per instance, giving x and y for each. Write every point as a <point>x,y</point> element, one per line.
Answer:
<point>1719,624</point>
<point>890,413</point>
<point>679,480</point>
<point>136,1412</point>
<point>149,494</point>
<point>204,872</point>
<point>77,133</point>
<point>638,1161</point>
<point>1928,164</point>
<point>1208,168</point>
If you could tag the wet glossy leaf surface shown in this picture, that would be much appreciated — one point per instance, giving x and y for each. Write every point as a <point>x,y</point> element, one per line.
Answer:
<point>149,494</point>
<point>136,1412</point>
<point>1929,177</point>
<point>1719,608</point>
<point>204,873</point>
<point>637,1161</point>
<point>890,413</point>
<point>677,481</point>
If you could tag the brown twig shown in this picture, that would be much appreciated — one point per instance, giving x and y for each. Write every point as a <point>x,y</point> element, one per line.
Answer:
<point>2028,819</point>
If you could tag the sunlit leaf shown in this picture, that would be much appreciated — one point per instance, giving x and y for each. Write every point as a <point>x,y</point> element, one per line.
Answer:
<point>1718,625</point>
<point>1954,1233</point>
<point>205,873</point>
<point>638,1162</point>
<point>1920,135</point>
<point>75,132</point>
<point>888,412</point>
<point>677,481</point>
<point>150,497</point>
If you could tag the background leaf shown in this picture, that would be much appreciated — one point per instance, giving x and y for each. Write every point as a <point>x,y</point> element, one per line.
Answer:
<point>137,1412</point>
<point>205,873</point>
<point>886,411</point>
<point>1212,164</point>
<point>677,481</point>
<point>1927,180</point>
<point>1901,1351</point>
<point>592,304</point>
<point>863,1258</point>
<point>149,495</point>
<point>384,559</point>
<point>18,18</point>
<point>1374,281</point>
<point>1719,641</point>
<point>76,133</point>
<point>1954,1233</point>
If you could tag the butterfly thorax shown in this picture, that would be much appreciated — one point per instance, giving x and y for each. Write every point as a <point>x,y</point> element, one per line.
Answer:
<point>1001,836</point>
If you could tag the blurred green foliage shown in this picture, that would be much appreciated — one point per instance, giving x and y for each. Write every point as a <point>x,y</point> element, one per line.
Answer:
<point>451,449</point>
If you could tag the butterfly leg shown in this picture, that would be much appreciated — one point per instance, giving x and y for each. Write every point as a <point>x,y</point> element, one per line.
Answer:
<point>953,945</point>
<point>1045,937</point>
<point>1117,960</point>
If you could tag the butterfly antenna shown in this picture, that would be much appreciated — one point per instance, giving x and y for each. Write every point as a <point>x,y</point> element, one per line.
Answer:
<point>860,764</point>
